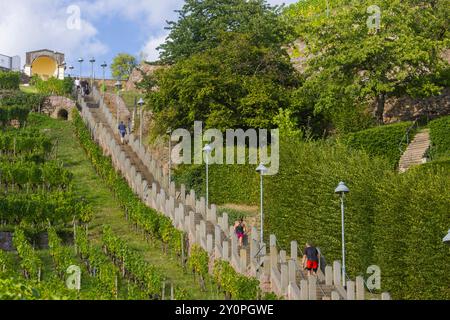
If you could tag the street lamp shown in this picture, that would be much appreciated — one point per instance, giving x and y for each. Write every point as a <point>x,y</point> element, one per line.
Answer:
<point>81,65</point>
<point>207,149</point>
<point>342,190</point>
<point>446,239</point>
<point>92,61</point>
<point>104,65</point>
<point>71,68</point>
<point>261,170</point>
<point>141,103</point>
<point>169,133</point>
<point>118,85</point>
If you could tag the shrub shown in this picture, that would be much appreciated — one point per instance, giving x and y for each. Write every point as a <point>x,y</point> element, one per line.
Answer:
<point>385,141</point>
<point>411,218</point>
<point>300,203</point>
<point>440,138</point>
<point>9,80</point>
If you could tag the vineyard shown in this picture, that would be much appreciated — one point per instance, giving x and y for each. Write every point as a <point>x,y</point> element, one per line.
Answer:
<point>124,249</point>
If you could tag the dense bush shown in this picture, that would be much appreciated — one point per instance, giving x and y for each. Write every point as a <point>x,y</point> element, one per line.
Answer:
<point>9,80</point>
<point>300,203</point>
<point>411,218</point>
<point>235,285</point>
<point>385,141</point>
<point>440,138</point>
<point>32,101</point>
<point>227,183</point>
<point>53,86</point>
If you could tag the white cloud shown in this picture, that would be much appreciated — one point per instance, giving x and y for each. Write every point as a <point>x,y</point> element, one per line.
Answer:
<point>27,25</point>
<point>149,49</point>
<point>37,24</point>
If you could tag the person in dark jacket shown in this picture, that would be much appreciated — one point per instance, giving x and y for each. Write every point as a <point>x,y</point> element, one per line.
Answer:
<point>122,131</point>
<point>310,259</point>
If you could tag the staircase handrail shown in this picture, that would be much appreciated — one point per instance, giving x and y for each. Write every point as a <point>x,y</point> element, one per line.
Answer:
<point>406,137</point>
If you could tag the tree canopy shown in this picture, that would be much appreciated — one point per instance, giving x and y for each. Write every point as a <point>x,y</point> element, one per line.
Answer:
<point>236,84</point>
<point>353,62</point>
<point>201,23</point>
<point>122,66</point>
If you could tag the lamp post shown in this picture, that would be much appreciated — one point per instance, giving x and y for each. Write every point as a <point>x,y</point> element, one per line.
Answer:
<point>207,149</point>
<point>342,190</point>
<point>104,65</point>
<point>92,61</point>
<point>141,105</point>
<point>118,85</point>
<point>81,66</point>
<point>71,68</point>
<point>446,239</point>
<point>169,133</point>
<point>261,170</point>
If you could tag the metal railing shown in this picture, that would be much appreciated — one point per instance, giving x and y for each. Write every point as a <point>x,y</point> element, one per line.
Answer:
<point>406,137</point>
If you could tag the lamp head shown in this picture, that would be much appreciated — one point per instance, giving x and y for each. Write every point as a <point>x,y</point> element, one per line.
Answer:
<point>141,102</point>
<point>341,188</point>
<point>262,169</point>
<point>104,65</point>
<point>118,84</point>
<point>80,60</point>
<point>92,60</point>
<point>446,239</point>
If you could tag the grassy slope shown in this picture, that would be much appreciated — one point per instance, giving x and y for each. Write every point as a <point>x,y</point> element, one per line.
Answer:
<point>89,185</point>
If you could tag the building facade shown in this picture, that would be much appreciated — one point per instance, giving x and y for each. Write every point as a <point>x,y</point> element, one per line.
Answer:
<point>45,63</point>
<point>8,63</point>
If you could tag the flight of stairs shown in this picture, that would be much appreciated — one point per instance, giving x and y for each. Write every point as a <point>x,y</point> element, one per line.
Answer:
<point>415,153</point>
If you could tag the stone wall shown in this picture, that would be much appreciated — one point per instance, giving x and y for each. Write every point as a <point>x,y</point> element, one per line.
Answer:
<point>55,105</point>
<point>409,109</point>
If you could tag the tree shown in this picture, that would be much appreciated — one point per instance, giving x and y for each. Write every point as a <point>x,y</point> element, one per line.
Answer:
<point>201,23</point>
<point>238,84</point>
<point>122,66</point>
<point>352,66</point>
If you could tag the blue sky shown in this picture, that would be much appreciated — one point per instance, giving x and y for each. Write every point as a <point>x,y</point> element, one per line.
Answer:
<point>87,28</point>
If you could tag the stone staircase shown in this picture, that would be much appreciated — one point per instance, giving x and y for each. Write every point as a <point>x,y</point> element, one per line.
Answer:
<point>277,272</point>
<point>415,153</point>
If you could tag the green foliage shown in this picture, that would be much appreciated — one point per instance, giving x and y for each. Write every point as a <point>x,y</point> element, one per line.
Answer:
<point>62,256</point>
<point>122,66</point>
<point>18,98</point>
<point>9,80</point>
<point>54,86</point>
<point>98,264</point>
<point>227,183</point>
<point>9,113</point>
<point>300,203</point>
<point>386,141</point>
<point>198,260</point>
<point>350,66</point>
<point>440,138</point>
<point>201,23</point>
<point>238,84</point>
<point>30,261</point>
<point>148,276</point>
<point>49,175</point>
<point>239,287</point>
<point>25,144</point>
<point>153,223</point>
<point>411,218</point>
